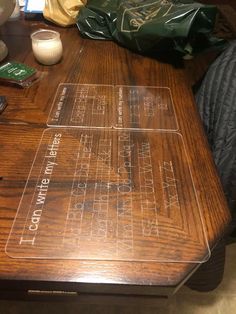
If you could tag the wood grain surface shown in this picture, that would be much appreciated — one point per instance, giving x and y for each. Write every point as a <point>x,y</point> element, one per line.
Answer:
<point>22,125</point>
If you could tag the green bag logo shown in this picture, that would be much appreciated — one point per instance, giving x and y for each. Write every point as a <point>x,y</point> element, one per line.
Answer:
<point>136,15</point>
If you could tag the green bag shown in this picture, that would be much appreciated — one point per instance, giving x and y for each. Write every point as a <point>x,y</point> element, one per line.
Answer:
<point>158,28</point>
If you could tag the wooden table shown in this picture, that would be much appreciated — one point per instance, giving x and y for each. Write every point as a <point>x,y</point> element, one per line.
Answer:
<point>22,125</point>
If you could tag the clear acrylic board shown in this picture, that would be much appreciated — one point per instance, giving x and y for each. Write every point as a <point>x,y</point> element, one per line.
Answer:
<point>142,107</point>
<point>105,194</point>
<point>82,106</point>
<point>130,107</point>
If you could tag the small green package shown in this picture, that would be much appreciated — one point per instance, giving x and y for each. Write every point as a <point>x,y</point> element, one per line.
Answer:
<point>17,73</point>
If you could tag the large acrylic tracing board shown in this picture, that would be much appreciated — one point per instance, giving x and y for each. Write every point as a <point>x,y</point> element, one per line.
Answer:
<point>129,107</point>
<point>109,194</point>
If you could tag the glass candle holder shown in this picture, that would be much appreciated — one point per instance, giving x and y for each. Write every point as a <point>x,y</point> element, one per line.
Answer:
<point>47,46</point>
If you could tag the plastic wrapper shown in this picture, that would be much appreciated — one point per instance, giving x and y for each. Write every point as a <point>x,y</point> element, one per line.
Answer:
<point>62,12</point>
<point>160,28</point>
<point>19,74</point>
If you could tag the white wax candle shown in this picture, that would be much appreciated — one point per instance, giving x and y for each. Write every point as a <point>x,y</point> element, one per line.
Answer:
<point>47,46</point>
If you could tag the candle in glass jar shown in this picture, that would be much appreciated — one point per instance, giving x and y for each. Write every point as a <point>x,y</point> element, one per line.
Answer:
<point>47,46</point>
